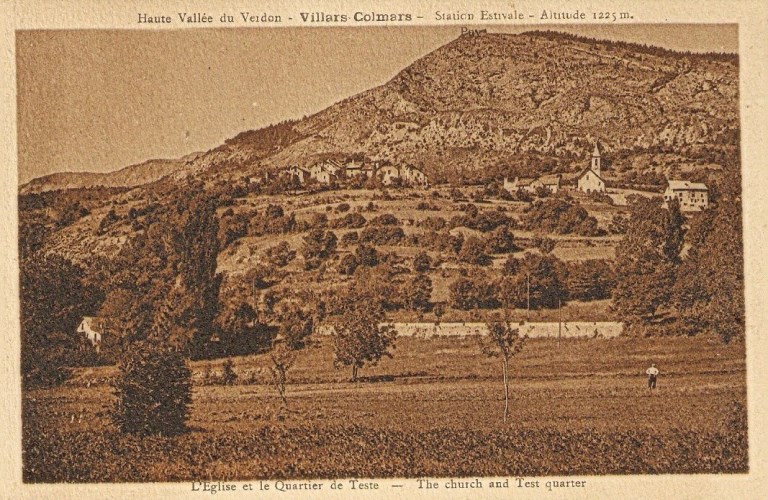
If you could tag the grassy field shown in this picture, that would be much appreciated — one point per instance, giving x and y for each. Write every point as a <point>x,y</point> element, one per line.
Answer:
<point>435,409</point>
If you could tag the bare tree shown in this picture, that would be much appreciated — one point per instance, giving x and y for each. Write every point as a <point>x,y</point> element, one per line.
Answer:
<point>283,358</point>
<point>503,341</point>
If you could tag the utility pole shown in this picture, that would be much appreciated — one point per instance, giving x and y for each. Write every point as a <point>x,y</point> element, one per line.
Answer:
<point>559,320</point>
<point>528,288</point>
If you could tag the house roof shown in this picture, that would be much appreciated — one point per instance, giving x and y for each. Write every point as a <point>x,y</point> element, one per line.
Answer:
<point>687,186</point>
<point>524,181</point>
<point>589,169</point>
<point>550,179</point>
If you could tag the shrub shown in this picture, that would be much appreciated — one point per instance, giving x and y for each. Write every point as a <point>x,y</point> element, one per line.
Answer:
<point>367,255</point>
<point>348,264</point>
<point>385,220</point>
<point>350,221</point>
<point>500,240</point>
<point>229,377</point>
<point>153,391</point>
<point>382,235</point>
<point>350,238</point>
<point>281,254</point>
<point>433,223</point>
<point>473,252</point>
<point>422,262</point>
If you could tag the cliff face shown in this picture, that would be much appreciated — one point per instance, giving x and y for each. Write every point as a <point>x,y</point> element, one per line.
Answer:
<point>482,102</point>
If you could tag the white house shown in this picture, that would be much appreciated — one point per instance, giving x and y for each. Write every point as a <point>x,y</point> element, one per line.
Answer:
<point>388,174</point>
<point>692,196</point>
<point>300,174</point>
<point>413,176</point>
<point>90,328</point>
<point>325,172</point>
<point>353,168</point>
<point>590,180</point>
<point>550,182</point>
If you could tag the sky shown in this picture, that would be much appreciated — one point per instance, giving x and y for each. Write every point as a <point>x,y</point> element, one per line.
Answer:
<point>100,100</point>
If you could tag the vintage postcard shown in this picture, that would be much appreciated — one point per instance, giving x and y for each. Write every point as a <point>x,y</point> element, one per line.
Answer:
<point>384,249</point>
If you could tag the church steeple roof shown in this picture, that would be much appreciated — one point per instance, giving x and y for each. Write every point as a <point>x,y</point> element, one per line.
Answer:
<point>596,152</point>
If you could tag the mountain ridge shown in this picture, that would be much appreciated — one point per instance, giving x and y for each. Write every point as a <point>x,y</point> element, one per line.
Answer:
<point>487,104</point>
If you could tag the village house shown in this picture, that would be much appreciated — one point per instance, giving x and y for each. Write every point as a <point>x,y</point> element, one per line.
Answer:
<point>550,182</point>
<point>326,172</point>
<point>528,184</point>
<point>91,328</point>
<point>590,180</point>
<point>352,169</point>
<point>413,176</point>
<point>370,169</point>
<point>298,173</point>
<point>407,175</point>
<point>692,196</point>
<point>388,174</point>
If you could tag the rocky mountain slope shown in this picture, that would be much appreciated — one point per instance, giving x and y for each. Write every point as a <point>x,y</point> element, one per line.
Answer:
<point>492,100</point>
<point>488,102</point>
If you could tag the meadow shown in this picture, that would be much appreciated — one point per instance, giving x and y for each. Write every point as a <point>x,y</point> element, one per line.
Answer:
<point>578,406</point>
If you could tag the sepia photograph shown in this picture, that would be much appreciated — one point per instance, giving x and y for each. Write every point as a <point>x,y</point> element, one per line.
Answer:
<point>381,252</point>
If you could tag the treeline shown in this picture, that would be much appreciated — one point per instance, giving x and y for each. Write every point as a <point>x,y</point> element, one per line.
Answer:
<point>637,47</point>
<point>662,290</point>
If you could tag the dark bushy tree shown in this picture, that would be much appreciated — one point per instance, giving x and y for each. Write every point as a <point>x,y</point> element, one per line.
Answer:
<point>359,338</point>
<point>417,292</point>
<point>154,391</point>
<point>54,298</point>
<point>590,280</point>
<point>319,244</point>
<point>473,252</point>
<point>709,287</point>
<point>421,262</point>
<point>646,260</point>
<point>539,278</point>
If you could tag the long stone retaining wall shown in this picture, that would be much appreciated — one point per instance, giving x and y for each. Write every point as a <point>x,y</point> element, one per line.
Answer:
<point>571,329</point>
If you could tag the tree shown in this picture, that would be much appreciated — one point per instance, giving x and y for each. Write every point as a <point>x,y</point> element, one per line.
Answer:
<point>417,292</point>
<point>319,244</point>
<point>154,390</point>
<point>283,359</point>
<point>359,337</point>
<point>54,298</point>
<point>503,341</point>
<point>154,387</point>
<point>709,287</point>
<point>646,260</point>
<point>500,240</point>
<point>538,282</point>
<point>421,262</point>
<point>348,264</point>
<point>367,255</point>
<point>296,326</point>
<point>240,331</point>
<point>473,252</point>
<point>229,375</point>
<point>590,280</point>
<point>281,254</point>
<point>439,311</point>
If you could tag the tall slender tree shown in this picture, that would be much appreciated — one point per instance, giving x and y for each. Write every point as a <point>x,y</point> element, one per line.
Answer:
<point>646,259</point>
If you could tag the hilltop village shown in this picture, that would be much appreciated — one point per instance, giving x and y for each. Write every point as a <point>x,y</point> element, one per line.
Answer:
<point>692,196</point>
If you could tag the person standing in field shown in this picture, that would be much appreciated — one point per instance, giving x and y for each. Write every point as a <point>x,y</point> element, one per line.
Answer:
<point>652,373</point>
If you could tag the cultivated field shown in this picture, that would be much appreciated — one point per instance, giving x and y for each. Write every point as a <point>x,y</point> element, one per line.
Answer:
<point>435,409</point>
